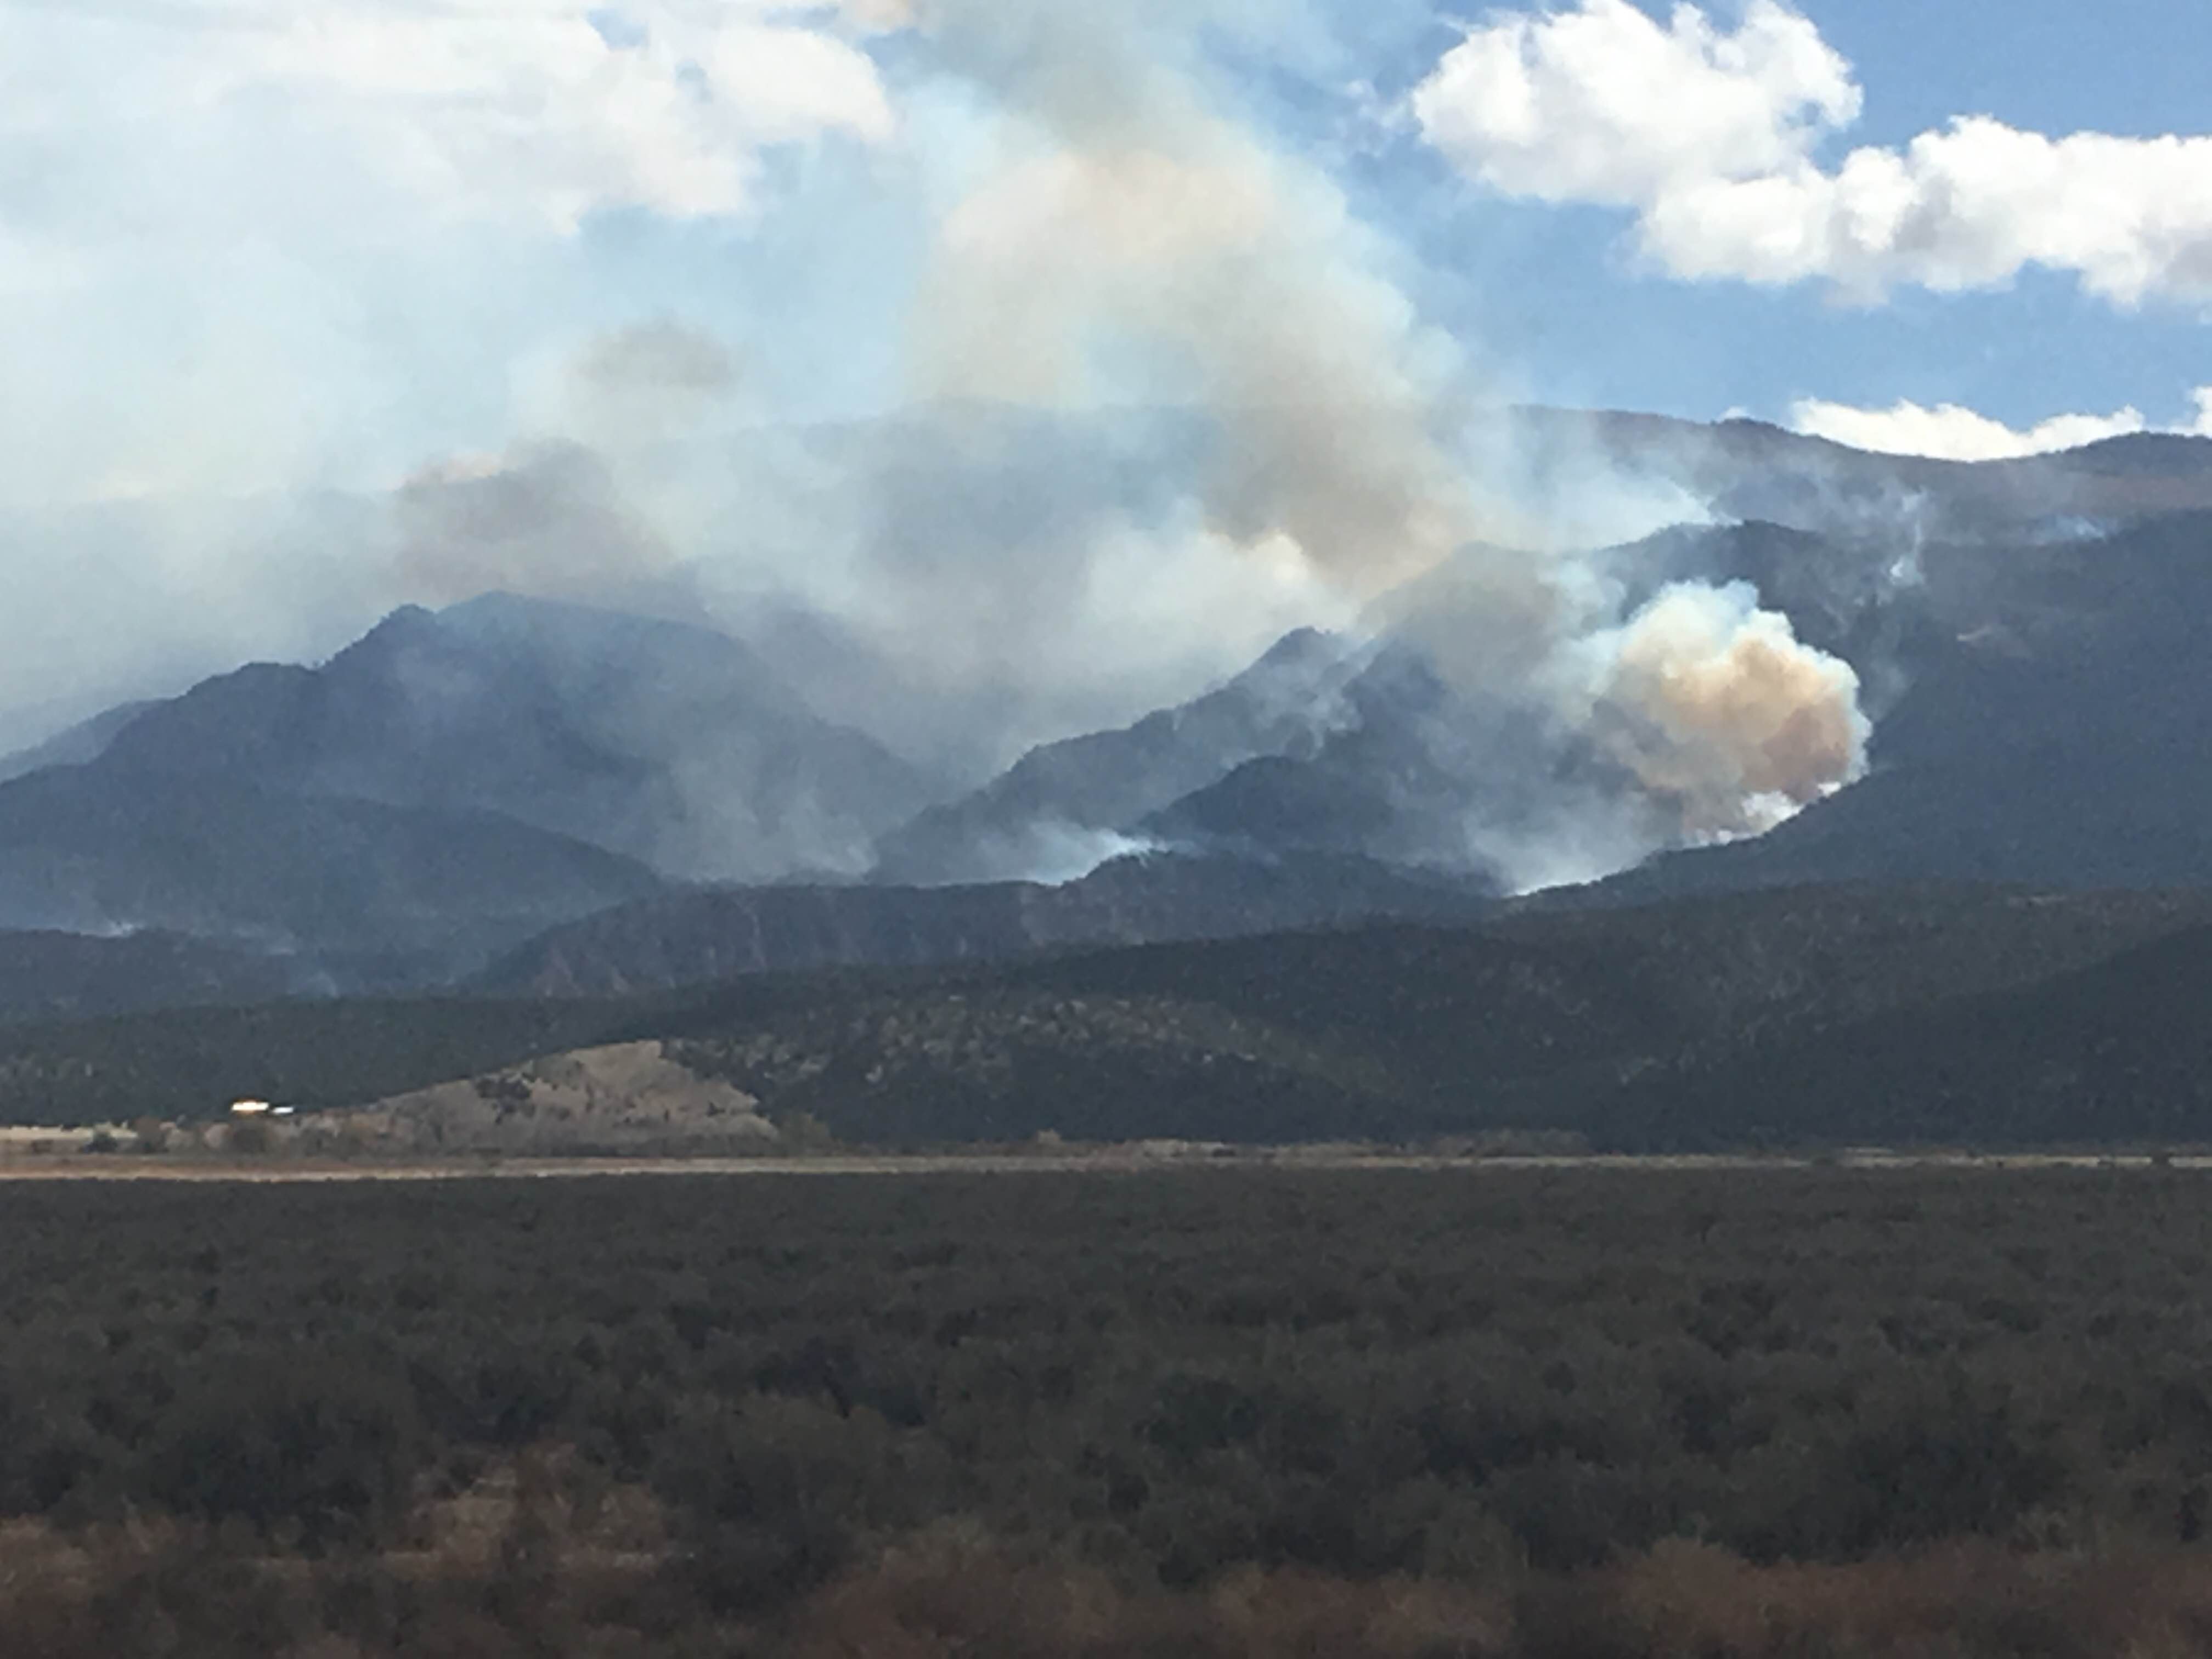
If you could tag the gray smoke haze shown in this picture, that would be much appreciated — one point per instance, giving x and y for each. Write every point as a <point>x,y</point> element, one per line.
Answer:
<point>550,521</point>
<point>1167,398</point>
<point>1139,222</point>
<point>1719,710</point>
<point>1134,236</point>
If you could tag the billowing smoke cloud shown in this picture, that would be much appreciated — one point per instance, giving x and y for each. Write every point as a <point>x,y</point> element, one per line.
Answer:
<point>549,520</point>
<point>1135,242</point>
<point>1234,421</point>
<point>1162,396</point>
<point>1237,285</point>
<point>1721,714</point>
<point>567,517</point>
<point>1169,402</point>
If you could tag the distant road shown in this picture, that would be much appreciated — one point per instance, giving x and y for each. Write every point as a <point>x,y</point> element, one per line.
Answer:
<point>126,1168</point>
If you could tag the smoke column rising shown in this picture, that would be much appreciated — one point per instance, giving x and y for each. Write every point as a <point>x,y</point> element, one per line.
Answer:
<point>1163,397</point>
<point>1719,710</point>
<point>1136,221</point>
<point>1167,401</point>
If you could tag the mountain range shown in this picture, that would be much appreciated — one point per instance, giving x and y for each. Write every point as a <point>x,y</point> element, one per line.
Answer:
<point>667,744</point>
<point>1749,469</point>
<point>513,797</point>
<point>2040,716</point>
<point>1068,801</point>
<point>447,786</point>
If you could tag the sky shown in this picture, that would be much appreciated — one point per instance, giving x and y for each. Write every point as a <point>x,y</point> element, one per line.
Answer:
<point>1611,322</point>
<point>310,306</point>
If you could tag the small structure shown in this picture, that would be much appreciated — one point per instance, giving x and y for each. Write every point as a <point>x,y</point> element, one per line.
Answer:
<point>251,1108</point>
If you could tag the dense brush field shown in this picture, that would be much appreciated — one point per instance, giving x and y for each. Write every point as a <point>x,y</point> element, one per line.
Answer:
<point>1217,1410</point>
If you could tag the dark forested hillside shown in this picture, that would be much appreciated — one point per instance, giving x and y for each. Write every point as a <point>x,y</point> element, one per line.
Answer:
<point>89,849</point>
<point>60,975</point>
<point>2116,1052</point>
<point>1567,1021</point>
<point>1754,469</point>
<point>1812,1016</point>
<point>185,1064</point>
<point>697,937</point>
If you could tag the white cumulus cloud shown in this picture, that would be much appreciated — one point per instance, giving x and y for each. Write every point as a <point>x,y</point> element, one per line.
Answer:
<point>1951,432</point>
<point>1711,136</point>
<point>1602,103</point>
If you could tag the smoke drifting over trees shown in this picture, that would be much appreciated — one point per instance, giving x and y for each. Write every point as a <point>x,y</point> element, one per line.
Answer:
<point>1163,397</point>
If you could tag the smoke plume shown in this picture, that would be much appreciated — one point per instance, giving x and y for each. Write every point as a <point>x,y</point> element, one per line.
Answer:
<point>1143,241</point>
<point>549,520</point>
<point>1151,395</point>
<point>1168,400</point>
<point>1721,714</point>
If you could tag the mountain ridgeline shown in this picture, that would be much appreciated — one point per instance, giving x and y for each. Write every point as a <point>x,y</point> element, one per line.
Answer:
<point>664,743</point>
<point>696,938</point>
<point>440,791</point>
<point>2023,634</point>
<point>1276,910</point>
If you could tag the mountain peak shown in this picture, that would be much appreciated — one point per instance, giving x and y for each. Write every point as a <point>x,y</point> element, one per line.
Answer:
<point>410,627</point>
<point>407,620</point>
<point>1301,646</point>
<point>591,635</point>
<point>663,742</point>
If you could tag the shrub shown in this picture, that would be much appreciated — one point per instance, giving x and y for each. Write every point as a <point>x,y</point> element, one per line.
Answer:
<point>772,1497</point>
<point>309,1447</point>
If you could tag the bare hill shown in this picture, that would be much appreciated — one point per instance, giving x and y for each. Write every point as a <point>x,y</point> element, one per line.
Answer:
<point>629,1096</point>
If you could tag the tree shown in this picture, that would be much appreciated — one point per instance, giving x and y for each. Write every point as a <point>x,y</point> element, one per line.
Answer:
<point>805,1135</point>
